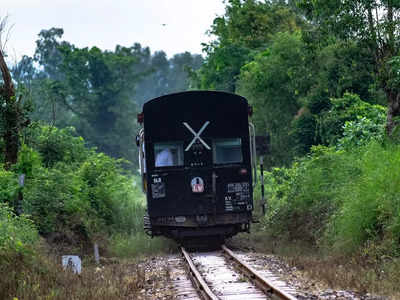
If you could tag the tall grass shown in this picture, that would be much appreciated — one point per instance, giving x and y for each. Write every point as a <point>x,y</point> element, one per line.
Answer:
<point>370,211</point>
<point>347,200</point>
<point>44,278</point>
<point>303,198</point>
<point>139,244</point>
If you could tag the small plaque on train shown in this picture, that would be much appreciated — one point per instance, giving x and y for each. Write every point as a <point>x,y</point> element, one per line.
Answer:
<point>197,185</point>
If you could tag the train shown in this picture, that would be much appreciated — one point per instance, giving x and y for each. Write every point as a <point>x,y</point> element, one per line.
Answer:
<point>197,162</point>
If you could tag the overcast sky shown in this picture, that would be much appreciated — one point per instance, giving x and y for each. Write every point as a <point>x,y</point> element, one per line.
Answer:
<point>106,23</point>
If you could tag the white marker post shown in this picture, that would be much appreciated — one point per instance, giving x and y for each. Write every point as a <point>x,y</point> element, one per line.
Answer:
<point>73,263</point>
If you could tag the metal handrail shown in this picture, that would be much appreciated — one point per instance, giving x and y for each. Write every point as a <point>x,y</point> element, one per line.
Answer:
<point>252,134</point>
<point>142,158</point>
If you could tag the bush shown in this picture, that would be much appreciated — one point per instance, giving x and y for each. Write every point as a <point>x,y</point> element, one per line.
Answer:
<point>75,190</point>
<point>342,200</point>
<point>17,233</point>
<point>28,162</point>
<point>303,197</point>
<point>8,186</point>
<point>56,199</point>
<point>114,201</point>
<point>371,208</point>
<point>361,132</point>
<point>56,145</point>
<point>348,108</point>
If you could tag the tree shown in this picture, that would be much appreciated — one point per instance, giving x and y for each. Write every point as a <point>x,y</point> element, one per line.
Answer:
<point>89,89</point>
<point>164,76</point>
<point>245,29</point>
<point>11,108</point>
<point>273,83</point>
<point>374,25</point>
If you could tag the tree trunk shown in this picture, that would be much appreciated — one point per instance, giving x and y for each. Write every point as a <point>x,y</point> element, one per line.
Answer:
<point>393,111</point>
<point>390,28</point>
<point>10,116</point>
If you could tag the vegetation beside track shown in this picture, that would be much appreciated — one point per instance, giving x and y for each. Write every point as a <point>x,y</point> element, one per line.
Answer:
<point>324,83</point>
<point>73,197</point>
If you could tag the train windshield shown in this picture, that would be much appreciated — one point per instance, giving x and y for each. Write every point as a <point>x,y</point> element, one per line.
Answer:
<point>168,154</point>
<point>227,151</point>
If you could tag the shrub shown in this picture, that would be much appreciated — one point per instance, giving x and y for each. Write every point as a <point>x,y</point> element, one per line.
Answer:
<point>361,132</point>
<point>303,197</point>
<point>115,203</point>
<point>348,108</point>
<point>56,145</point>
<point>371,208</point>
<point>17,233</point>
<point>56,199</point>
<point>8,186</point>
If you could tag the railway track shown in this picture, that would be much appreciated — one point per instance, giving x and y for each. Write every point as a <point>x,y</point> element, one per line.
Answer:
<point>221,275</point>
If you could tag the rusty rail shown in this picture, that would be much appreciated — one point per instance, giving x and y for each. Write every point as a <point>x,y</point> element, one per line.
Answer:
<point>197,280</point>
<point>262,283</point>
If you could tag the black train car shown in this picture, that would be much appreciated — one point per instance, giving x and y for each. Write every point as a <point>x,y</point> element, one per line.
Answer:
<point>196,163</point>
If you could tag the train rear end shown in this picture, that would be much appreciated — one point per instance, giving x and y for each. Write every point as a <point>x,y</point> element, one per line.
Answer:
<point>196,163</point>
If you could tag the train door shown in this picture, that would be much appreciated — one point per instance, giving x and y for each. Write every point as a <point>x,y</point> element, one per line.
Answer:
<point>198,175</point>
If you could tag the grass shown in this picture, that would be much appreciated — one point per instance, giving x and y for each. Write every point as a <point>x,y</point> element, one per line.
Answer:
<point>41,276</point>
<point>45,279</point>
<point>336,214</point>
<point>138,244</point>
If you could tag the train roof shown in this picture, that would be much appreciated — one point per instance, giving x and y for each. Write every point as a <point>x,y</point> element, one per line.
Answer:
<point>227,114</point>
<point>218,98</point>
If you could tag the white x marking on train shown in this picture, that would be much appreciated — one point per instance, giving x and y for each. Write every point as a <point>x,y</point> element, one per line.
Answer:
<point>197,135</point>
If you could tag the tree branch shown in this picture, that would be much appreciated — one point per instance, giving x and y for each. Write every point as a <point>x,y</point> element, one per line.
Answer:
<point>8,88</point>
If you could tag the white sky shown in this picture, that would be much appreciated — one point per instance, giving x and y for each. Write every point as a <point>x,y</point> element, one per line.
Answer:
<point>106,23</point>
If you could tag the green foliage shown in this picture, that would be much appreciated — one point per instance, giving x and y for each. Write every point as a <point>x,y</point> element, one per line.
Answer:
<point>123,245</point>
<point>272,83</point>
<point>106,189</point>
<point>347,108</point>
<point>17,233</point>
<point>99,92</point>
<point>8,186</point>
<point>56,145</point>
<point>372,25</point>
<point>163,75</point>
<point>131,206</point>
<point>361,132</point>
<point>303,197</point>
<point>56,199</point>
<point>28,161</point>
<point>222,67</point>
<point>246,28</point>
<point>75,191</point>
<point>336,67</point>
<point>340,199</point>
<point>371,209</point>
<point>304,132</point>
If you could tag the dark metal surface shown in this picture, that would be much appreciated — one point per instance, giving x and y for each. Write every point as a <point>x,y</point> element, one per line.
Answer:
<point>164,122</point>
<point>197,120</point>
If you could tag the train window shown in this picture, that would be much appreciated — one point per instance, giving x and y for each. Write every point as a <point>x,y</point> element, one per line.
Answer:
<point>226,151</point>
<point>168,154</point>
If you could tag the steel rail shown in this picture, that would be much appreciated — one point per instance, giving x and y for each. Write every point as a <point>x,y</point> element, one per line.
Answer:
<point>196,278</point>
<point>264,284</point>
